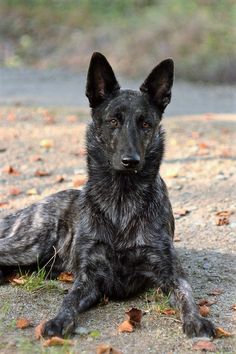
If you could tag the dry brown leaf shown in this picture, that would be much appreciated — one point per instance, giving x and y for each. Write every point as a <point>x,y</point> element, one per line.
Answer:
<point>57,341</point>
<point>11,171</point>
<point>18,281</point>
<point>204,310</point>
<point>107,349</point>
<point>46,143</point>
<point>66,277</point>
<point>32,191</point>
<point>79,181</point>
<point>126,326</point>
<point>134,315</point>
<point>204,345</point>
<point>177,238</point>
<point>181,212</point>
<point>14,191</point>
<point>41,173</point>
<point>206,302</point>
<point>215,292</point>
<point>36,158</point>
<point>39,329</point>
<point>233,307</point>
<point>168,312</point>
<point>220,332</point>
<point>222,218</point>
<point>22,323</point>
<point>3,204</point>
<point>60,179</point>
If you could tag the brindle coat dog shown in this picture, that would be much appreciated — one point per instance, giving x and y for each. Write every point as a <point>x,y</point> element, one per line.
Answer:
<point>115,235</point>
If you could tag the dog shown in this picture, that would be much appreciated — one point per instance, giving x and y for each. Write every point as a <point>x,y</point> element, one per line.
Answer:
<point>116,234</point>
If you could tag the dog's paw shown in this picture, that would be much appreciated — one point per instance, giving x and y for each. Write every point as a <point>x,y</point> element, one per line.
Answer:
<point>198,326</point>
<point>59,327</point>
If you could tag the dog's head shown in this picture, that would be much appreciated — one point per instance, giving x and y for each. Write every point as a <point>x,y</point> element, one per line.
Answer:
<point>126,120</point>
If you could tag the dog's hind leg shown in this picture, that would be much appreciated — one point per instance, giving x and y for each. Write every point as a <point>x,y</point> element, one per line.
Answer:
<point>38,233</point>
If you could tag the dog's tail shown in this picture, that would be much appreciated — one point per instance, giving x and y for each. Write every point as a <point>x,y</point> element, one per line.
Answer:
<point>32,235</point>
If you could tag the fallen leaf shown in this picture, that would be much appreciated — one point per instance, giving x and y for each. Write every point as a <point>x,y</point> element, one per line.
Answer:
<point>14,191</point>
<point>66,277</point>
<point>215,292</point>
<point>220,332</point>
<point>177,238</point>
<point>106,349</point>
<point>82,151</point>
<point>222,218</point>
<point>95,334</point>
<point>233,307</point>
<point>79,181</point>
<point>203,145</point>
<point>126,326</point>
<point>60,179</point>
<point>39,329</point>
<point>18,281</point>
<point>204,310</point>
<point>57,341</point>
<point>22,323</point>
<point>168,312</point>
<point>204,345</point>
<point>46,143</point>
<point>171,173</point>
<point>41,173</point>
<point>36,158</point>
<point>32,191</point>
<point>206,302</point>
<point>180,212</point>
<point>11,171</point>
<point>3,204</point>
<point>134,315</point>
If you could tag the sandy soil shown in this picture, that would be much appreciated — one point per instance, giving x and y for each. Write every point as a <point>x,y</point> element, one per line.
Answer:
<point>199,169</point>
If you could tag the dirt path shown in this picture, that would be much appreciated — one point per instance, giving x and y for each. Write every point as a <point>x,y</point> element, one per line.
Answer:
<point>199,169</point>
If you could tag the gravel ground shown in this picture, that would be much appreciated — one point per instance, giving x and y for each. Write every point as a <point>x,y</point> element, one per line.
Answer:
<point>199,169</point>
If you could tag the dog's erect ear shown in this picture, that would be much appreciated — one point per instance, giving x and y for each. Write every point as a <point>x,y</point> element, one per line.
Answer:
<point>159,83</point>
<point>101,80</point>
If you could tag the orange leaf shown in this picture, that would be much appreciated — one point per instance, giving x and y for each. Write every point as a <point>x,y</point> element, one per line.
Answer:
<point>66,277</point>
<point>134,315</point>
<point>168,312</point>
<point>203,145</point>
<point>3,204</point>
<point>22,323</point>
<point>14,191</point>
<point>18,281</point>
<point>57,341</point>
<point>204,310</point>
<point>220,332</point>
<point>106,349</point>
<point>126,326</point>
<point>11,171</point>
<point>41,173</point>
<point>204,345</point>
<point>46,143</point>
<point>222,218</point>
<point>39,329</point>
<point>79,181</point>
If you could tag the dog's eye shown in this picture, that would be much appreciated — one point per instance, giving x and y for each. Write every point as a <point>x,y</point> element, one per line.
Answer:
<point>114,123</point>
<point>146,125</point>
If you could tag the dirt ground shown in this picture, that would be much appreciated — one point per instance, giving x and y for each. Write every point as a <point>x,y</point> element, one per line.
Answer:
<point>199,169</point>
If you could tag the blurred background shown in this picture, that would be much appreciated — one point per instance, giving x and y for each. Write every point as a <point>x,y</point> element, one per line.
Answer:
<point>44,43</point>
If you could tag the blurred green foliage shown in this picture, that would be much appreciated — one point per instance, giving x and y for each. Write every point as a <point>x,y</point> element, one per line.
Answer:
<point>199,34</point>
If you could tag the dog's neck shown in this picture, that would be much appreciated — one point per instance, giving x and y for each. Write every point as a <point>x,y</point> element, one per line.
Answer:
<point>120,196</point>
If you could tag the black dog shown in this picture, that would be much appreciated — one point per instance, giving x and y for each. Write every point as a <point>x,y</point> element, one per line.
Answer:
<point>116,234</point>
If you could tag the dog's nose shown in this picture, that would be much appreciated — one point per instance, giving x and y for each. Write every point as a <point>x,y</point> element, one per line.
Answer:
<point>130,161</point>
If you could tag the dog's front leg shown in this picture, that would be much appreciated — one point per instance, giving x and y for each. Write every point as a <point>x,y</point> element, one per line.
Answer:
<point>194,325</point>
<point>82,296</point>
